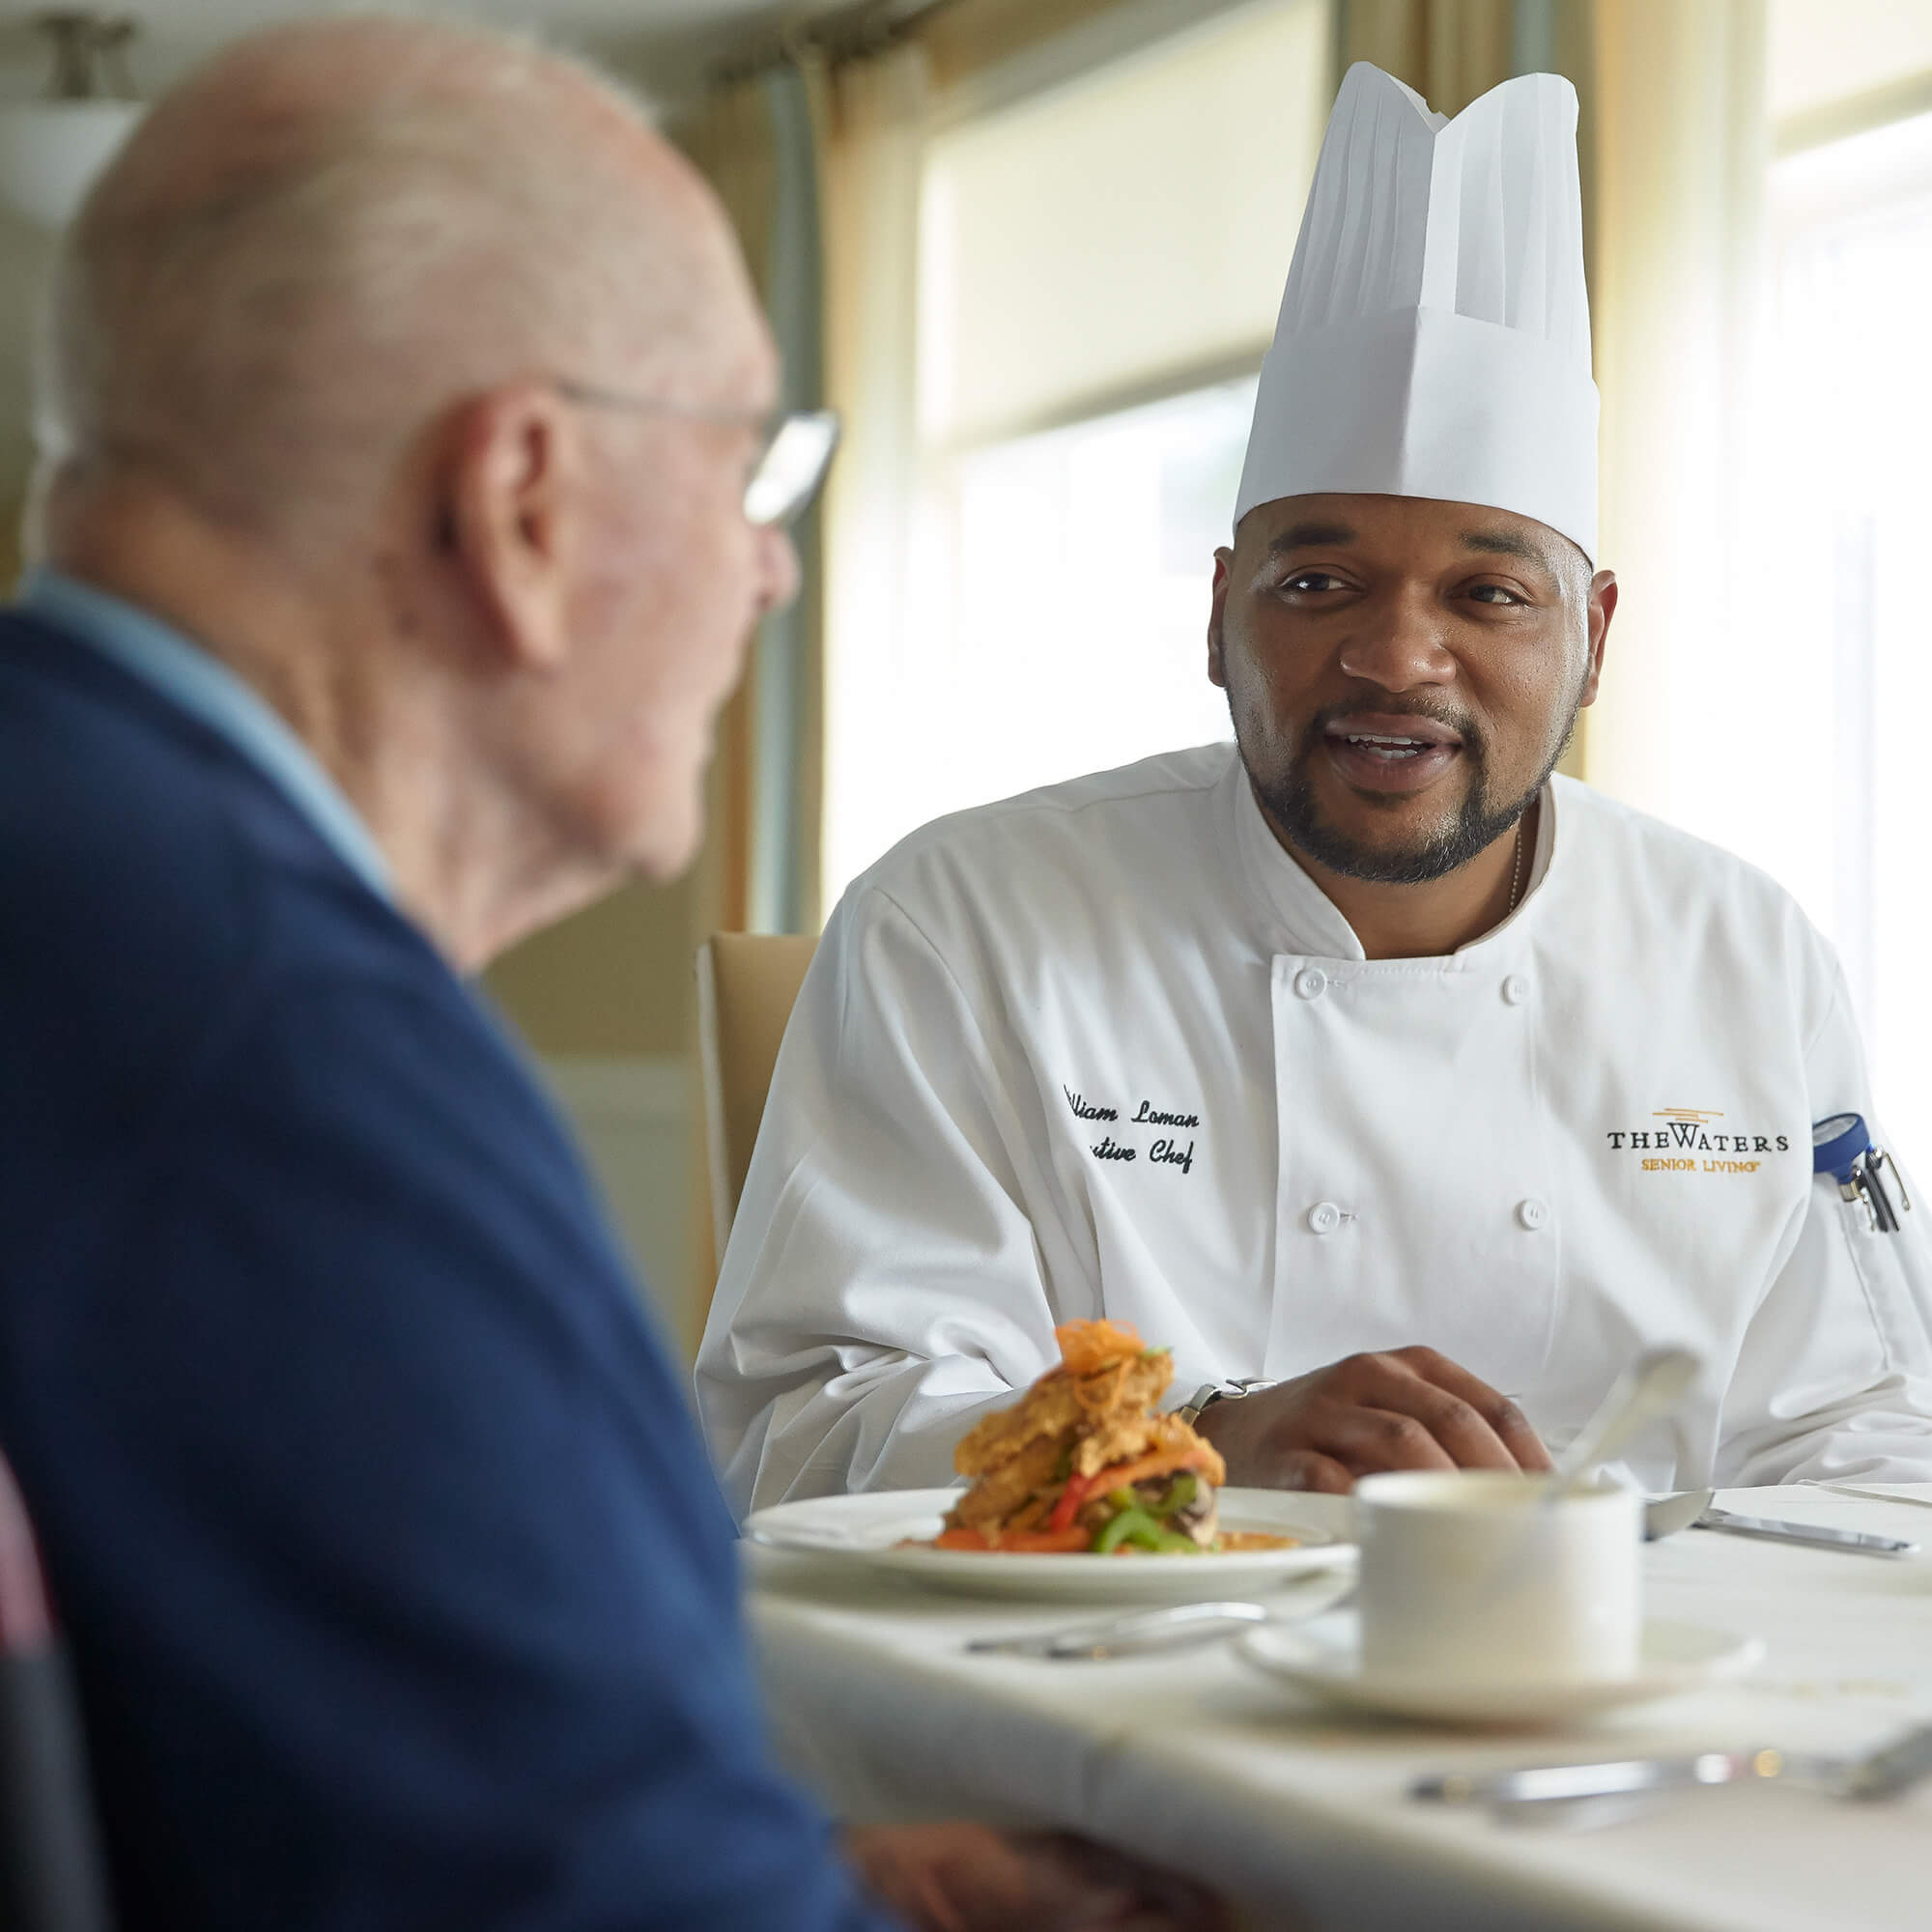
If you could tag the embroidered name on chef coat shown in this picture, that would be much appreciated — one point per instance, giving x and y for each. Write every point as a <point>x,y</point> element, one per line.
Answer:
<point>1166,1150</point>
<point>1686,1143</point>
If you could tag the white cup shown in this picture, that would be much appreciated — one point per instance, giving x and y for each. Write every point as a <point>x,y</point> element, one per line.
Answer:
<point>1472,1574</point>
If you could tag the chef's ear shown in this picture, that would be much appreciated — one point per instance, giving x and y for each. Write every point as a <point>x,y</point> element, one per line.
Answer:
<point>1602,608</point>
<point>1217,673</point>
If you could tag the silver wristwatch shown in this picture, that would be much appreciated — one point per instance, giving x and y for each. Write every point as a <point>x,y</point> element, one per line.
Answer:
<point>1210,1392</point>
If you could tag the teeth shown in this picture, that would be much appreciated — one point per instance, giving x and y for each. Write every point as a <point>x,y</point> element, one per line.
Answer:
<point>1394,744</point>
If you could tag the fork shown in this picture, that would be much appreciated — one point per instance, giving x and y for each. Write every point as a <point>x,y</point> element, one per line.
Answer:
<point>1174,1627</point>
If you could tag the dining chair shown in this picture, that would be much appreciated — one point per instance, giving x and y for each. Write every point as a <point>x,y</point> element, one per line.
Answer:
<point>747,983</point>
<point>51,1875</point>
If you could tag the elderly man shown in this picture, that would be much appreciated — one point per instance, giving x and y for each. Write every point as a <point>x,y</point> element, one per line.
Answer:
<point>1364,1059</point>
<point>408,498</point>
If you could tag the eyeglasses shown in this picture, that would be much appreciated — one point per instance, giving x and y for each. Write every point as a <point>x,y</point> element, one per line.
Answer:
<point>793,454</point>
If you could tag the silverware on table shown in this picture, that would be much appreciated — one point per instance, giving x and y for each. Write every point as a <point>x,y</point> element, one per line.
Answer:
<point>1174,1627</point>
<point>1665,1516</point>
<point>1866,1496</point>
<point>1893,1767</point>
<point>1691,1509</point>
<point>1818,1536</point>
<point>1171,1628</point>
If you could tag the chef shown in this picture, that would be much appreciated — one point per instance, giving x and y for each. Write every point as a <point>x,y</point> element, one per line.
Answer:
<point>1364,1059</point>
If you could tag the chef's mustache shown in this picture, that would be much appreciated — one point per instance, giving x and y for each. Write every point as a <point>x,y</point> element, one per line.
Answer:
<point>1451,717</point>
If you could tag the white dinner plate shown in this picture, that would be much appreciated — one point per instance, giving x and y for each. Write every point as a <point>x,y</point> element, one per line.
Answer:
<point>868,1530</point>
<point>1323,1658</point>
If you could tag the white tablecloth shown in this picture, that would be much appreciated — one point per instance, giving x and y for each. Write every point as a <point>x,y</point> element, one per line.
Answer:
<point>1196,1760</point>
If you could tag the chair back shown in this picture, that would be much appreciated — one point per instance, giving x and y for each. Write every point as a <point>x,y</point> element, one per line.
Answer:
<point>747,983</point>
<point>51,1866</point>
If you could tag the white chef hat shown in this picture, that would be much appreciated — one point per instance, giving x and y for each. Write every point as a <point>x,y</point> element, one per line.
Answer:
<point>1435,335</point>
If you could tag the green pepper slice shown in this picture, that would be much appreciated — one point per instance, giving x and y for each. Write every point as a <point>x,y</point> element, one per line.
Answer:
<point>1186,1487</point>
<point>1131,1525</point>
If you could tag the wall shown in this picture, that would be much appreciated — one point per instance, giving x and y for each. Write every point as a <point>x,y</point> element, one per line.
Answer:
<point>607,1001</point>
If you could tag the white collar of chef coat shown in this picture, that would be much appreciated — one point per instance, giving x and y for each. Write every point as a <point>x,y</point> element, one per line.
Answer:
<point>1310,925</point>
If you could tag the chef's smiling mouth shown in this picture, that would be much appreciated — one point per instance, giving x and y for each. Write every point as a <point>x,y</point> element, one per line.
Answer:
<point>1392,740</point>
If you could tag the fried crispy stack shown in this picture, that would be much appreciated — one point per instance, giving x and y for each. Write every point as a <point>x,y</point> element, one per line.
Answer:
<point>1093,1412</point>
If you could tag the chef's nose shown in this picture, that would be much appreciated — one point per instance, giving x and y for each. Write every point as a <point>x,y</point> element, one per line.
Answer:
<point>1399,644</point>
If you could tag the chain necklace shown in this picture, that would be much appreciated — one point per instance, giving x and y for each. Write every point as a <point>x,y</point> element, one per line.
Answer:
<point>1515,870</point>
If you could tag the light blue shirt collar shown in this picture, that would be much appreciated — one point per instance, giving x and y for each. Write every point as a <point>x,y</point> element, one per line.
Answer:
<point>201,685</point>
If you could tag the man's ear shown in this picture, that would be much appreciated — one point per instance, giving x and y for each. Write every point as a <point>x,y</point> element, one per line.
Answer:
<point>1603,608</point>
<point>510,517</point>
<point>1217,672</point>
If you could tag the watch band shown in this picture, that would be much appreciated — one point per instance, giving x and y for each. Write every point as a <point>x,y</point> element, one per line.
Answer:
<point>1210,1392</point>
<point>1204,1397</point>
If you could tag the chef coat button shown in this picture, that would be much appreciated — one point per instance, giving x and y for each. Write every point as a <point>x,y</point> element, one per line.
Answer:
<point>1532,1213</point>
<point>1516,989</point>
<point>1311,983</point>
<point>1324,1218</point>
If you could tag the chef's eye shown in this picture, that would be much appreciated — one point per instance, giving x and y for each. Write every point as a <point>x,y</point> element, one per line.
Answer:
<point>1309,580</point>
<point>1495,593</point>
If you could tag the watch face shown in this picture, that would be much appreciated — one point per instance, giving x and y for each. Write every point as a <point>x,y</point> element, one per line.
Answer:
<point>1831,1127</point>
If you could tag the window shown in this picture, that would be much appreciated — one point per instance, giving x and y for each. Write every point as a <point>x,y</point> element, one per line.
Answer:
<point>1097,276</point>
<point>1849,642</point>
<point>1067,625</point>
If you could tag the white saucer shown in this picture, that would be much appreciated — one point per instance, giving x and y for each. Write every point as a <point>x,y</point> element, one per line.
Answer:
<point>1322,1659</point>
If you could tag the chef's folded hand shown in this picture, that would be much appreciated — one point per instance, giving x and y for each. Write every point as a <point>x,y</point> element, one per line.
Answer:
<point>958,1877</point>
<point>1409,1409</point>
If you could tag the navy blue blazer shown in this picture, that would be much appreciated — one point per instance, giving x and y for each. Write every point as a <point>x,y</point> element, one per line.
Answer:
<point>398,1590</point>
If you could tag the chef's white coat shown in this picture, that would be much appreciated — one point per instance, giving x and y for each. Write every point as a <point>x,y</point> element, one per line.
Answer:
<point>1106,1049</point>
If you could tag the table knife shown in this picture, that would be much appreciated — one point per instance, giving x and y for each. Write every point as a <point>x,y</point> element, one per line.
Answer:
<point>1559,1783</point>
<point>1890,1770</point>
<point>1881,1773</point>
<point>1167,1628</point>
<point>1816,1535</point>
<point>1866,1496</point>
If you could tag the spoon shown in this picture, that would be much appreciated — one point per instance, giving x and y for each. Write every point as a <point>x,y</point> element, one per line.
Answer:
<point>1653,1385</point>
<point>1665,1516</point>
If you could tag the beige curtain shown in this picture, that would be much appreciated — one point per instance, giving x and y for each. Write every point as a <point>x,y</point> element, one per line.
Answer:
<point>967,37</point>
<point>874,131</point>
<point>1449,51</point>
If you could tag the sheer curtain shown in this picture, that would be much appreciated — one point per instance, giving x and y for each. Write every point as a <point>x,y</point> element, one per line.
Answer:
<point>875,126</point>
<point>1680,151</point>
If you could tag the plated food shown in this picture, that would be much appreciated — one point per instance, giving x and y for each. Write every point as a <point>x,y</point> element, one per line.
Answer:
<point>1306,1549</point>
<point>1081,1465</point>
<point>1085,1464</point>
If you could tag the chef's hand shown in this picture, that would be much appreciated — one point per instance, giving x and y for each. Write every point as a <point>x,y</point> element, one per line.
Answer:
<point>958,1877</point>
<point>1410,1408</point>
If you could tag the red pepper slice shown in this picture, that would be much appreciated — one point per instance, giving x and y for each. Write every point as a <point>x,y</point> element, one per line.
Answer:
<point>1120,1475</point>
<point>1078,1488</point>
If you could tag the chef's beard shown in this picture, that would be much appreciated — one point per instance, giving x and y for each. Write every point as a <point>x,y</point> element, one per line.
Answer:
<point>1475,825</point>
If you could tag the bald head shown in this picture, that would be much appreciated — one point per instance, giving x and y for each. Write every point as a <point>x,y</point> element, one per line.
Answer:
<point>334,229</point>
